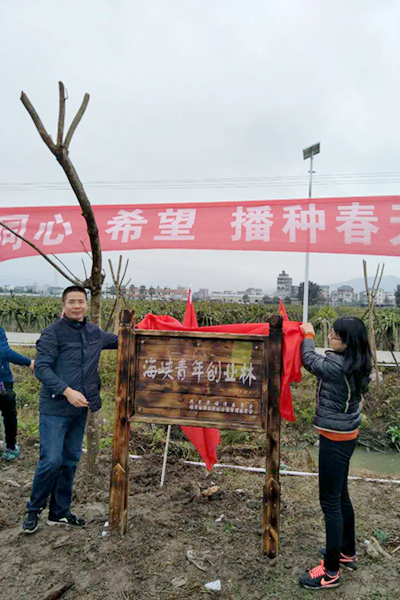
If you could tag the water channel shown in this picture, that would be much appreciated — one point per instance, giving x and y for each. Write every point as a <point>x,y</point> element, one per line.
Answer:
<point>379,462</point>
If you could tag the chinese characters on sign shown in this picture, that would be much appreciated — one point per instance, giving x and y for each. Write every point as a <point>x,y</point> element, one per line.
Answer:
<point>18,224</point>
<point>346,225</point>
<point>213,372</point>
<point>198,379</point>
<point>220,406</point>
<point>46,230</point>
<point>256,223</point>
<point>126,225</point>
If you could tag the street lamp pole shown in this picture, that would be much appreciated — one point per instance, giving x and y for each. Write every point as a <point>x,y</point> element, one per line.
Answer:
<point>309,152</point>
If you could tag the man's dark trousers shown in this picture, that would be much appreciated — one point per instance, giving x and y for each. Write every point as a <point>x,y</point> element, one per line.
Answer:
<point>8,407</point>
<point>61,439</point>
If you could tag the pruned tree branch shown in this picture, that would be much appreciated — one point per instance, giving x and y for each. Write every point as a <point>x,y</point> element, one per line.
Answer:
<point>65,266</point>
<point>38,123</point>
<point>61,152</point>
<point>123,276</point>
<point>84,268</point>
<point>76,121</point>
<point>111,315</point>
<point>61,115</point>
<point>114,279</point>
<point>85,249</point>
<point>53,264</point>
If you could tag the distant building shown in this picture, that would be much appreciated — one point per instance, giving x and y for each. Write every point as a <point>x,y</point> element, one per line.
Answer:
<point>382,298</point>
<point>230,296</point>
<point>389,299</point>
<point>295,291</point>
<point>158,293</point>
<point>325,292</point>
<point>344,295</point>
<point>202,294</point>
<point>284,285</point>
<point>55,290</point>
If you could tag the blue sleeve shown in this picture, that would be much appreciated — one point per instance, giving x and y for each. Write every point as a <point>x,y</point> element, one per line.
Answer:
<point>109,341</point>
<point>9,355</point>
<point>47,354</point>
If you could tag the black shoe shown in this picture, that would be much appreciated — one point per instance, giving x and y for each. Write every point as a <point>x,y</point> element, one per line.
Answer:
<point>347,562</point>
<point>319,578</point>
<point>68,520</point>
<point>30,523</point>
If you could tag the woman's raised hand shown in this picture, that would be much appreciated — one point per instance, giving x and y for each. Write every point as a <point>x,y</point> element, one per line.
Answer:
<point>307,328</point>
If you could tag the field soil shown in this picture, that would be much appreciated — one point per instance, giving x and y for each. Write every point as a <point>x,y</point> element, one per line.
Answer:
<point>164,524</point>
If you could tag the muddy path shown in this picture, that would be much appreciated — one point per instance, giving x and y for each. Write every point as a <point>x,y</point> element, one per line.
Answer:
<point>165,523</point>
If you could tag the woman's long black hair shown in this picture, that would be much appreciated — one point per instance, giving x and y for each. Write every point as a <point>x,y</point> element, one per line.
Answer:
<point>357,355</point>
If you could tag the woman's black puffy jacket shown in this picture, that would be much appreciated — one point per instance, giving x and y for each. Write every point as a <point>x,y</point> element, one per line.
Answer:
<point>338,402</point>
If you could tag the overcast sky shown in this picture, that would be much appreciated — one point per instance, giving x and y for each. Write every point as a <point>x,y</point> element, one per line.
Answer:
<point>186,89</point>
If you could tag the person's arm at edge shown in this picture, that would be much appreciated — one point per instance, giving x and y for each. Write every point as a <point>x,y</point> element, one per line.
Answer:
<point>9,355</point>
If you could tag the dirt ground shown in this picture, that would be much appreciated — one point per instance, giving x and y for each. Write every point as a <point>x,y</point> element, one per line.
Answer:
<point>165,523</point>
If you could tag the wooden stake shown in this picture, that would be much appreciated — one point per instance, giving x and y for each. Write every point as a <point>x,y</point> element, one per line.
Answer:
<point>165,456</point>
<point>271,495</point>
<point>371,295</point>
<point>119,492</point>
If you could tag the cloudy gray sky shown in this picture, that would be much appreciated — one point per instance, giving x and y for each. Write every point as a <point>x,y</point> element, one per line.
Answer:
<point>204,89</point>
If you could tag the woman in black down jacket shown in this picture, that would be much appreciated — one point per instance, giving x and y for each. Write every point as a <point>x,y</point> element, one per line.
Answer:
<point>342,376</point>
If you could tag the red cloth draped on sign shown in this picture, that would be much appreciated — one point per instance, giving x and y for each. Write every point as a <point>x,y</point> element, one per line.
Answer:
<point>204,439</point>
<point>291,357</point>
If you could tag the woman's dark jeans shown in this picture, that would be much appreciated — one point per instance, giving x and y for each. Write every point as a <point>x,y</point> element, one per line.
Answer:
<point>334,460</point>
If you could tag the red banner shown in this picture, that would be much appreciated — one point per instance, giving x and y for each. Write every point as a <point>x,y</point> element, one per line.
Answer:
<point>368,225</point>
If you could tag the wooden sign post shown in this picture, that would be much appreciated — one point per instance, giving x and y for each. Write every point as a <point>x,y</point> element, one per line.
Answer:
<point>222,380</point>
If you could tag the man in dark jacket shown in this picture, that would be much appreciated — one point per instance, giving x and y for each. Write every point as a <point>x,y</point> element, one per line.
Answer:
<point>8,404</point>
<point>68,354</point>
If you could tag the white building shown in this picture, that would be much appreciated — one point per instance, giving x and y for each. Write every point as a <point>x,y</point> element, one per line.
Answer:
<point>382,298</point>
<point>284,285</point>
<point>344,295</point>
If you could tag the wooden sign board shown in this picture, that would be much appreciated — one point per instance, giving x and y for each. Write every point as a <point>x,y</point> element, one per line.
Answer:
<point>200,379</point>
<point>227,381</point>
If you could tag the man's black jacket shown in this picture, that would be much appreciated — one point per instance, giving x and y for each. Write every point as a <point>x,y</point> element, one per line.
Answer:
<point>68,354</point>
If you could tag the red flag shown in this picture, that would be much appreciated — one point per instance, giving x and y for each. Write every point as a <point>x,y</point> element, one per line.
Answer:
<point>282,310</point>
<point>190,319</point>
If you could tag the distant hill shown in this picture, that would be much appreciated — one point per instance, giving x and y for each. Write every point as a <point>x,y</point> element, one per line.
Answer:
<point>388,283</point>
